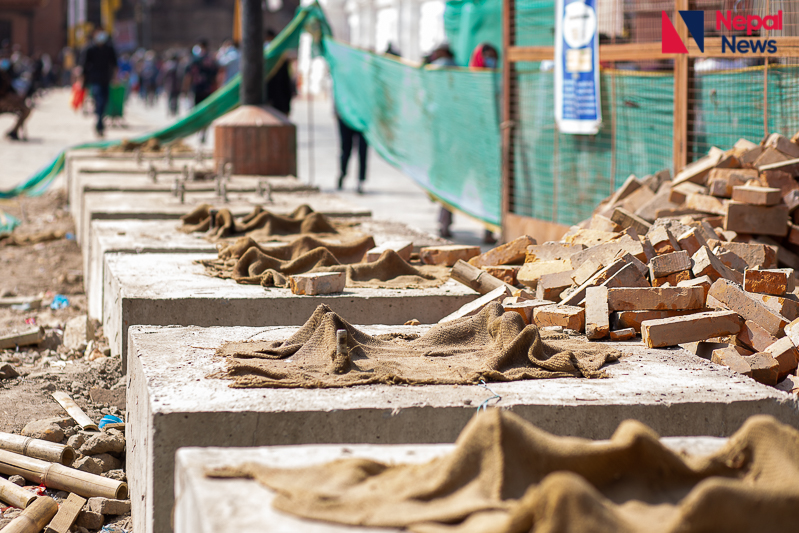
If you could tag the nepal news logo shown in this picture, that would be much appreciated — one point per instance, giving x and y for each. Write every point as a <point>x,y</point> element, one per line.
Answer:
<point>695,22</point>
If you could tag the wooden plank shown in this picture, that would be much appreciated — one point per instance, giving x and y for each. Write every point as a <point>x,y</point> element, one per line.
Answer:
<point>67,514</point>
<point>680,150</point>
<point>786,47</point>
<point>508,116</point>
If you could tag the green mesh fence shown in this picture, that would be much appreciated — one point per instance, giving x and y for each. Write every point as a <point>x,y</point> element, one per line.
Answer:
<point>439,126</point>
<point>562,178</point>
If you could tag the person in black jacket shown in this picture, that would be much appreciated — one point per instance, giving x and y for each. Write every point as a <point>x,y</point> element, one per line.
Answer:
<point>99,67</point>
<point>280,87</point>
<point>10,101</point>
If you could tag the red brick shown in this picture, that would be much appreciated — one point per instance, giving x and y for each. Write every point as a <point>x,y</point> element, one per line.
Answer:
<point>550,286</point>
<point>633,319</point>
<point>510,253</point>
<point>730,358</point>
<point>704,281</point>
<point>787,307</point>
<point>597,321</point>
<point>756,195</point>
<point>551,251</point>
<point>622,334</point>
<point>626,219</point>
<point>691,241</point>
<point>503,273</point>
<point>765,368</point>
<point>690,328</point>
<point>662,240</point>
<point>756,219</point>
<point>448,254</point>
<point>672,280</point>
<point>733,297</point>
<point>755,337</point>
<point>755,255</point>
<point>529,274</point>
<point>565,316</point>
<point>663,265</point>
<point>785,353</point>
<point>775,282</point>
<point>707,264</point>
<point>655,298</point>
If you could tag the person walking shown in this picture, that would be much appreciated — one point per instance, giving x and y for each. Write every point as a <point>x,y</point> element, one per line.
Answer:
<point>10,101</point>
<point>99,67</point>
<point>348,137</point>
<point>201,73</point>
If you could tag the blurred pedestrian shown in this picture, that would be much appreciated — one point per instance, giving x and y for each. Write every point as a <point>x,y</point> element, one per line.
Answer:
<point>11,101</point>
<point>348,137</point>
<point>99,66</point>
<point>280,86</point>
<point>172,83</point>
<point>201,74</point>
<point>229,59</point>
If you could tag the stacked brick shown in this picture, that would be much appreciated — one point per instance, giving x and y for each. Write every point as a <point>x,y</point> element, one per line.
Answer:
<point>704,260</point>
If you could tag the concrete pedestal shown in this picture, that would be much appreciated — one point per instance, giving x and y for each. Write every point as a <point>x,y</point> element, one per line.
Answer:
<point>256,140</point>
<point>118,206</point>
<point>207,505</point>
<point>171,403</point>
<point>170,289</point>
<point>161,236</point>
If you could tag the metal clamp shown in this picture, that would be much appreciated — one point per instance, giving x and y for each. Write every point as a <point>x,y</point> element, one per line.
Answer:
<point>264,189</point>
<point>168,156</point>
<point>137,156</point>
<point>152,173</point>
<point>228,170</point>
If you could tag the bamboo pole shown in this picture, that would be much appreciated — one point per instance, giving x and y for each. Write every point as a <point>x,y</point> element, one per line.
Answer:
<point>37,448</point>
<point>475,278</point>
<point>15,495</point>
<point>58,476</point>
<point>34,517</point>
<point>74,411</point>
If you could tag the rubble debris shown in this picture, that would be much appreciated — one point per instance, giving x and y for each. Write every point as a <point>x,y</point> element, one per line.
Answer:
<point>78,333</point>
<point>447,254</point>
<point>24,338</point>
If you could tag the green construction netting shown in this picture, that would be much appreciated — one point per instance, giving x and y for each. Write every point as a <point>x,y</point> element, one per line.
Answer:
<point>439,126</point>
<point>223,100</point>
<point>562,178</point>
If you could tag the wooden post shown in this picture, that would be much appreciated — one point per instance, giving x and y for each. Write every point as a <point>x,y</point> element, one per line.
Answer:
<point>507,124</point>
<point>681,95</point>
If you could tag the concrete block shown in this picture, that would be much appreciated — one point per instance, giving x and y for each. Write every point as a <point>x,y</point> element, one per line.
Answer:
<point>403,249</point>
<point>318,283</point>
<point>565,316</point>
<point>161,236</point>
<point>655,298</point>
<point>775,281</point>
<point>170,289</point>
<point>172,403</point>
<point>448,254</point>
<point>597,320</point>
<point>209,505</point>
<point>731,296</point>
<point>118,206</point>
<point>696,327</point>
<point>510,253</point>
<point>663,265</point>
<point>752,195</point>
<point>756,219</point>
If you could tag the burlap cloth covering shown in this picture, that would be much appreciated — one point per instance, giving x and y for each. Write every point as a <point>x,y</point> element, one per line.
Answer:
<point>507,476</point>
<point>492,345</point>
<point>250,263</point>
<point>259,224</point>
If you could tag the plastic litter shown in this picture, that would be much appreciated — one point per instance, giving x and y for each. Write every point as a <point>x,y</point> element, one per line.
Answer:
<point>21,307</point>
<point>59,302</point>
<point>69,236</point>
<point>109,419</point>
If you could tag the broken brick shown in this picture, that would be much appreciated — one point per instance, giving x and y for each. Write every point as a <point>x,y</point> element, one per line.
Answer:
<point>733,297</point>
<point>510,253</point>
<point>597,321</point>
<point>565,316</point>
<point>655,298</point>
<point>775,282</point>
<point>681,329</point>
<point>761,220</point>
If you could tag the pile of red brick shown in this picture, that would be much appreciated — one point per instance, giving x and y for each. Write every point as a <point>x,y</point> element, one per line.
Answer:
<point>691,261</point>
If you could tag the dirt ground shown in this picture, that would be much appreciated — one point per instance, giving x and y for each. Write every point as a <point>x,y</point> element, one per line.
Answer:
<point>41,261</point>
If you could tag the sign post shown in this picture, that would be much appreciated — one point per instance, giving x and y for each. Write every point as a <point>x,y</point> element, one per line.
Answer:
<point>577,102</point>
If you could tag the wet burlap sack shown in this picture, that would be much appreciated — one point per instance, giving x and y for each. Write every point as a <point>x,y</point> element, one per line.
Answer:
<point>490,346</point>
<point>259,224</point>
<point>507,476</point>
<point>250,263</point>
